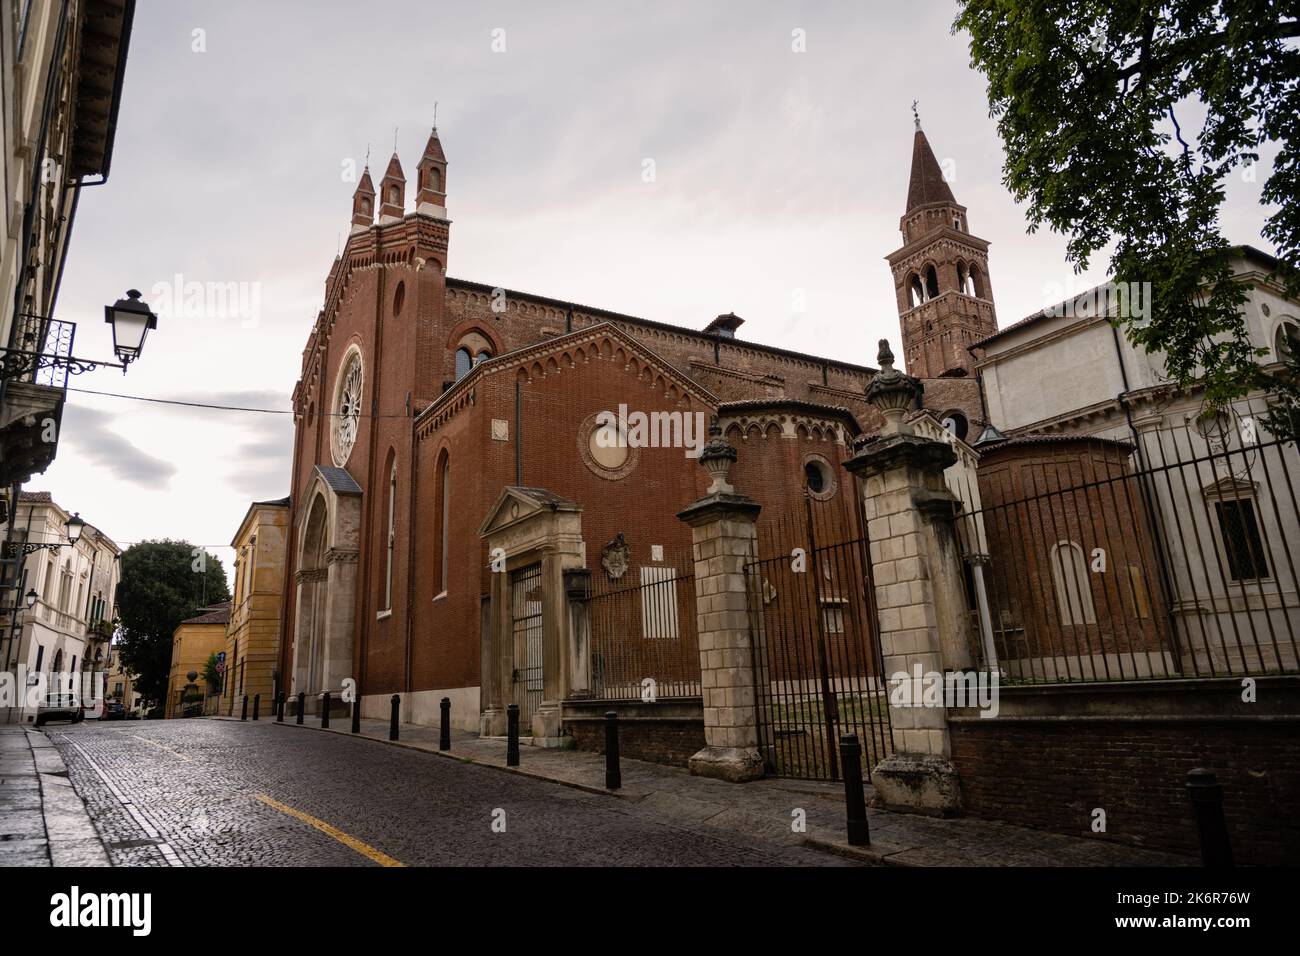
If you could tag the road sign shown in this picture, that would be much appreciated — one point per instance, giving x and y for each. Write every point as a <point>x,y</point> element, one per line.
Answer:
<point>221,667</point>
<point>221,657</point>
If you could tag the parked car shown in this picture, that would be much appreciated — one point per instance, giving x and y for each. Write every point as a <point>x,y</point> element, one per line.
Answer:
<point>60,707</point>
<point>114,710</point>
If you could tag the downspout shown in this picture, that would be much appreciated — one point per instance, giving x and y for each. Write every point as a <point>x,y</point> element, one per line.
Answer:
<point>519,434</point>
<point>412,498</point>
<point>977,561</point>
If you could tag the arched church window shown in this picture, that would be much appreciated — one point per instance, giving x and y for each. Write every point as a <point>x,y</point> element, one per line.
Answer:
<point>956,425</point>
<point>482,357</point>
<point>394,195</point>
<point>975,285</point>
<point>392,536</point>
<point>956,223</point>
<point>365,206</point>
<point>961,277</point>
<point>445,512</point>
<point>931,282</point>
<point>435,179</point>
<point>464,362</point>
<point>1073,589</point>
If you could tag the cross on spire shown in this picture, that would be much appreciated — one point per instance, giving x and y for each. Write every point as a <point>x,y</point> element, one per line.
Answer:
<point>916,117</point>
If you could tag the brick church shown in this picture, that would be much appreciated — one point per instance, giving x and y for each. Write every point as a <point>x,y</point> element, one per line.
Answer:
<point>423,397</point>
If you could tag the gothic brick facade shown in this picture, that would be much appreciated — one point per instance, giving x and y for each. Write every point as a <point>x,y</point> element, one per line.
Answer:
<point>421,396</point>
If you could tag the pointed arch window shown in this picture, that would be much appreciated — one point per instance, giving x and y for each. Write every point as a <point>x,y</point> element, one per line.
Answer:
<point>974,285</point>
<point>464,362</point>
<point>392,537</point>
<point>444,529</point>
<point>435,179</point>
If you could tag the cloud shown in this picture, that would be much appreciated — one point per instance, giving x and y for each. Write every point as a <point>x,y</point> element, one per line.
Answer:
<point>90,431</point>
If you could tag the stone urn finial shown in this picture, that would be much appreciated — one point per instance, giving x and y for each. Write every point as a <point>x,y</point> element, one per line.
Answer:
<point>892,392</point>
<point>717,457</point>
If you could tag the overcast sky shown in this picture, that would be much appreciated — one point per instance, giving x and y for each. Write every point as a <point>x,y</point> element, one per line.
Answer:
<point>780,177</point>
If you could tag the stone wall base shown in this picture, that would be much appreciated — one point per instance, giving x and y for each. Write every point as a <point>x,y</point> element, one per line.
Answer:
<point>733,764</point>
<point>917,783</point>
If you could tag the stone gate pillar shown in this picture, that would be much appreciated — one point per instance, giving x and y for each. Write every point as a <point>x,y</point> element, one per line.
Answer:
<point>916,567</point>
<point>723,537</point>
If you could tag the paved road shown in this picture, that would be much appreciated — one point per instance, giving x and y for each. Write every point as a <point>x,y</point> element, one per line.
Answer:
<point>221,793</point>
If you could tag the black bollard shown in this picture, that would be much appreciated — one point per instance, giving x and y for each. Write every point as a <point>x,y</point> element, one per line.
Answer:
<point>855,798</point>
<point>302,703</point>
<point>444,732</point>
<point>393,706</point>
<point>257,704</point>
<point>613,773</point>
<point>1207,807</point>
<point>243,711</point>
<point>325,710</point>
<point>279,708</point>
<point>356,715</point>
<point>512,735</point>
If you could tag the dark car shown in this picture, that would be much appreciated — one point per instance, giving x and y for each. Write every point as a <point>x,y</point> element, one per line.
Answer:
<point>60,707</point>
<point>114,710</point>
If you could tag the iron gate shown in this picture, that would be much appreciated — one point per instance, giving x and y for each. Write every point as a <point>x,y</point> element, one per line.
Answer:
<point>526,634</point>
<point>817,660</point>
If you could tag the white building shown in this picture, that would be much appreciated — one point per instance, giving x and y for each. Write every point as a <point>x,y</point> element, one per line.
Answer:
<point>72,589</point>
<point>1224,491</point>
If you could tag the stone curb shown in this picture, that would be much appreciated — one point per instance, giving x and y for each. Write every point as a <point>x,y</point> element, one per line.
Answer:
<point>71,835</point>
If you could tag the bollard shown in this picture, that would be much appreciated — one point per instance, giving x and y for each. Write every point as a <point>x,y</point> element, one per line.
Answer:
<point>855,799</point>
<point>393,706</point>
<point>444,733</point>
<point>243,711</point>
<point>1206,794</point>
<point>325,710</point>
<point>257,704</point>
<point>512,735</point>
<point>356,715</point>
<point>302,702</point>
<point>613,773</point>
<point>279,707</point>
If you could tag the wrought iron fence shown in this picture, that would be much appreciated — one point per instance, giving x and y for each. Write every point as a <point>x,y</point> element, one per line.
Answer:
<point>643,635</point>
<point>1171,557</point>
<point>817,661</point>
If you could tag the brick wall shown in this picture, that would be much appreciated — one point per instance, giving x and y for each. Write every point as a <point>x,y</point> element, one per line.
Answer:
<point>1051,774</point>
<point>670,742</point>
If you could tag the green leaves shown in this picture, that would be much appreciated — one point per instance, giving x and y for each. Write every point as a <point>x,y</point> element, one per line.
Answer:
<point>163,583</point>
<point>1097,107</point>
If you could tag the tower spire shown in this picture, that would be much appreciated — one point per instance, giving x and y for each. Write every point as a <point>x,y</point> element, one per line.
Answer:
<point>431,178</point>
<point>916,117</point>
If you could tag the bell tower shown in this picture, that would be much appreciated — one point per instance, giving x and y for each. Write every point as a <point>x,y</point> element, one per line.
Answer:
<point>392,192</point>
<point>363,203</point>
<point>941,274</point>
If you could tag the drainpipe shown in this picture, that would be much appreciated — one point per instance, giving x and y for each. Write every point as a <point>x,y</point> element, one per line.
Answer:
<point>979,559</point>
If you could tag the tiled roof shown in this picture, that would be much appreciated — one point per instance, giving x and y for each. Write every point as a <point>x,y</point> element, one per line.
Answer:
<point>338,480</point>
<point>216,614</point>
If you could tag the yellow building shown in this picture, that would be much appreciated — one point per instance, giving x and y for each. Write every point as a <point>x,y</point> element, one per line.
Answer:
<point>252,642</point>
<point>193,643</point>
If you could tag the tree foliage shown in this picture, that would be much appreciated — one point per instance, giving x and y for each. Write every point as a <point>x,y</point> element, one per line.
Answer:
<point>1122,121</point>
<point>162,584</point>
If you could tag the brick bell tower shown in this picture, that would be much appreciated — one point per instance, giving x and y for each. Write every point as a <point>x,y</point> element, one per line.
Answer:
<point>941,274</point>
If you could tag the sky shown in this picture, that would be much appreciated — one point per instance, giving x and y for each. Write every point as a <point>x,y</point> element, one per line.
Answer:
<point>779,177</point>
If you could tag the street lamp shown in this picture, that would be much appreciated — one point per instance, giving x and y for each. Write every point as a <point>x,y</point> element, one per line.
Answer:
<point>131,321</point>
<point>31,597</point>
<point>75,526</point>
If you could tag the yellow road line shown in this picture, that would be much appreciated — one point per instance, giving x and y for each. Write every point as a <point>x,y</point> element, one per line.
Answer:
<point>347,840</point>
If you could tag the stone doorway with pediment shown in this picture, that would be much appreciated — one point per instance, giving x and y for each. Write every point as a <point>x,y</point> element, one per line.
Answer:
<point>533,536</point>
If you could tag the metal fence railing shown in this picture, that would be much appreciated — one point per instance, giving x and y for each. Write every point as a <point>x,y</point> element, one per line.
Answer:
<point>1173,556</point>
<point>643,635</point>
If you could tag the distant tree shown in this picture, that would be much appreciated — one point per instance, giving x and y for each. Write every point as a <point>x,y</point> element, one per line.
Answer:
<point>211,674</point>
<point>1095,104</point>
<point>163,583</point>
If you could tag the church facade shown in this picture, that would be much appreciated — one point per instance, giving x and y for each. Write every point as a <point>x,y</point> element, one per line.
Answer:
<point>422,396</point>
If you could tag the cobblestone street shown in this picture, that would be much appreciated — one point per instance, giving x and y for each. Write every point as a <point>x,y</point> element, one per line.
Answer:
<point>220,793</point>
